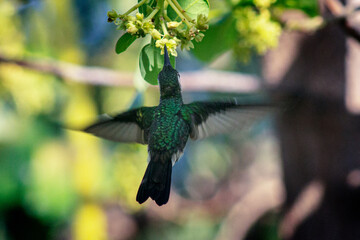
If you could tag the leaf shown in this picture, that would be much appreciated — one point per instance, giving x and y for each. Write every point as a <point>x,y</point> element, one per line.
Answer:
<point>151,62</point>
<point>124,42</point>
<point>310,7</point>
<point>192,8</point>
<point>220,37</point>
<point>147,8</point>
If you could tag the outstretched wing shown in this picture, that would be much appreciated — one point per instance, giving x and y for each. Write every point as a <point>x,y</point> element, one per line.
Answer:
<point>130,126</point>
<point>211,118</point>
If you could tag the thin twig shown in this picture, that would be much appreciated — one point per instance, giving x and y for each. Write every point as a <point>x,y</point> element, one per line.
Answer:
<point>179,13</point>
<point>136,6</point>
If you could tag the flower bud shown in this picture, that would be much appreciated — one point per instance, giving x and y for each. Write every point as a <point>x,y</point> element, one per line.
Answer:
<point>139,16</point>
<point>148,26</point>
<point>199,37</point>
<point>202,22</point>
<point>131,28</point>
<point>112,15</point>
<point>155,34</point>
<point>172,25</point>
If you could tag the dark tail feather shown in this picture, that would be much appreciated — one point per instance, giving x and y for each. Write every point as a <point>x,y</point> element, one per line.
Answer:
<point>156,182</point>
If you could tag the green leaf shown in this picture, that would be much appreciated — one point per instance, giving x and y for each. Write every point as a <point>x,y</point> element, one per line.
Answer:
<point>310,7</point>
<point>192,8</point>
<point>151,62</point>
<point>220,37</point>
<point>147,8</point>
<point>124,42</point>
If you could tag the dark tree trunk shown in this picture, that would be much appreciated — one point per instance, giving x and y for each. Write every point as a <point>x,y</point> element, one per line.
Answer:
<point>320,139</point>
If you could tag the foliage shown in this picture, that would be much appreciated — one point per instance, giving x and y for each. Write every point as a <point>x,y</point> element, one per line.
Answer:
<point>65,179</point>
<point>246,26</point>
<point>160,19</point>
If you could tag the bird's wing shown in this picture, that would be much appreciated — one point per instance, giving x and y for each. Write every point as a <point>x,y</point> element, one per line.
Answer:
<point>211,118</point>
<point>130,126</point>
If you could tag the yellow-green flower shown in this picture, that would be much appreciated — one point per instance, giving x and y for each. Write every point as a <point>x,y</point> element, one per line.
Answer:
<point>256,29</point>
<point>147,26</point>
<point>139,16</point>
<point>155,34</point>
<point>171,45</point>
<point>131,28</point>
<point>172,25</point>
<point>112,15</point>
<point>199,37</point>
<point>202,22</point>
<point>130,18</point>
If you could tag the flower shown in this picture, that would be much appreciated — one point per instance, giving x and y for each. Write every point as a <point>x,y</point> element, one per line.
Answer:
<point>139,16</point>
<point>147,26</point>
<point>155,34</point>
<point>171,45</point>
<point>199,37</point>
<point>112,15</point>
<point>202,22</point>
<point>172,25</point>
<point>131,28</point>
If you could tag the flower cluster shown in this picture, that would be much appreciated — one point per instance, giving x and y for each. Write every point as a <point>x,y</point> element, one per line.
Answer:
<point>135,25</point>
<point>256,30</point>
<point>185,35</point>
<point>162,29</point>
<point>171,45</point>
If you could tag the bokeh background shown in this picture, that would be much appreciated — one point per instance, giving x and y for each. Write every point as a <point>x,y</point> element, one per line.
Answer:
<point>293,169</point>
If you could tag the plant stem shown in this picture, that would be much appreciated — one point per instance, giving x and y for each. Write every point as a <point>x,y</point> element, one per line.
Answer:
<point>165,12</point>
<point>182,10</point>
<point>153,13</point>
<point>135,7</point>
<point>162,22</point>
<point>161,4</point>
<point>179,13</point>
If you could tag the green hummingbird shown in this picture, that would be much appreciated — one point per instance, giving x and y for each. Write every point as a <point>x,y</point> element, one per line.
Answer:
<point>167,127</point>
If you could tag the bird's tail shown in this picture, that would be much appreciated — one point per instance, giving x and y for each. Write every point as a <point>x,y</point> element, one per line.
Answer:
<point>156,182</point>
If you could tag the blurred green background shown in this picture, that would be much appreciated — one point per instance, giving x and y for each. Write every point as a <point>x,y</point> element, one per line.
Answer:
<point>62,184</point>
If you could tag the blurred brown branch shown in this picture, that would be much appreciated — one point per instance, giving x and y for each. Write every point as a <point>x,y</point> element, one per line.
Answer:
<point>90,75</point>
<point>306,204</point>
<point>242,206</point>
<point>250,208</point>
<point>343,15</point>
<point>204,80</point>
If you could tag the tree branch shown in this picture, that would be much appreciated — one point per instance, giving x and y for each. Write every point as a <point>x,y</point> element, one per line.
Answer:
<point>341,14</point>
<point>204,80</point>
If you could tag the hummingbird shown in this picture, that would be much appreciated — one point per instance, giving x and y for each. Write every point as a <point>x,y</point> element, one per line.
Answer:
<point>166,129</point>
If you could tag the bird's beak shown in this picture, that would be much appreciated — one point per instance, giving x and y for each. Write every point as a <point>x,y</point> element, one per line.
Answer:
<point>166,57</point>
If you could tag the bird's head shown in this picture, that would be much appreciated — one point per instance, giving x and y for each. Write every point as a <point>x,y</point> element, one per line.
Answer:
<point>169,79</point>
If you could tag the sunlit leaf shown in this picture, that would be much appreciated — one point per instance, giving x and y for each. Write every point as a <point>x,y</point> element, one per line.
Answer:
<point>192,8</point>
<point>220,37</point>
<point>151,62</point>
<point>310,7</point>
<point>124,42</point>
<point>147,7</point>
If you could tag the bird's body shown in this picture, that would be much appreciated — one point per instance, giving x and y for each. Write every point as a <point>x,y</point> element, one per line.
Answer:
<point>167,127</point>
<point>167,137</point>
<point>168,131</point>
